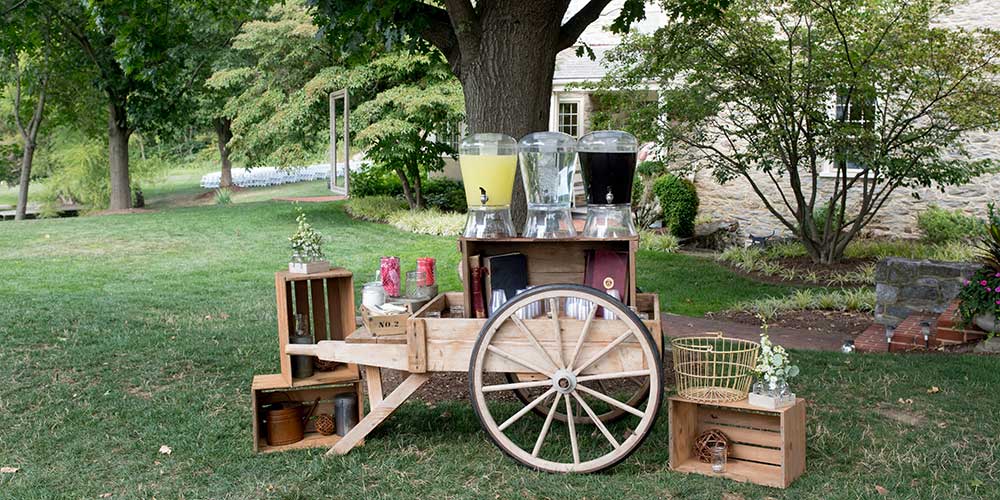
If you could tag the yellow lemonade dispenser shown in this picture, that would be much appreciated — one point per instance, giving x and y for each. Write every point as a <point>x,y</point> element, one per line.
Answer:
<point>488,163</point>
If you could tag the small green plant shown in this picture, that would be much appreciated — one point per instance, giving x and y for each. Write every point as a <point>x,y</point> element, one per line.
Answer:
<point>431,221</point>
<point>938,225</point>
<point>374,208</point>
<point>658,242</point>
<point>678,202</point>
<point>858,299</point>
<point>223,196</point>
<point>307,242</point>
<point>773,364</point>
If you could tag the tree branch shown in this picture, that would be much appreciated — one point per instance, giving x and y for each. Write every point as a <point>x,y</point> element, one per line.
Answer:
<point>571,31</point>
<point>465,25</point>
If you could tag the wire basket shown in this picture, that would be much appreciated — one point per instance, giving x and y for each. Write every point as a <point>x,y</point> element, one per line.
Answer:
<point>713,368</point>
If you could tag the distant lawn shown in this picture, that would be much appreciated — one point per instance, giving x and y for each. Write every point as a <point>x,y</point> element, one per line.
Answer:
<point>125,333</point>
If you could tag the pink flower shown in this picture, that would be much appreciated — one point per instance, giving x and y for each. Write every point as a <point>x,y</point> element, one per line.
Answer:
<point>983,282</point>
<point>997,289</point>
<point>965,282</point>
<point>998,302</point>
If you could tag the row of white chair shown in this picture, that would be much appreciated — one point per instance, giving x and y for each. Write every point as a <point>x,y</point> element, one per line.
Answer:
<point>269,176</point>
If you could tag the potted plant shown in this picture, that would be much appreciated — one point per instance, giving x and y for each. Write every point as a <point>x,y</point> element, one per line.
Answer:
<point>307,249</point>
<point>773,371</point>
<point>979,300</point>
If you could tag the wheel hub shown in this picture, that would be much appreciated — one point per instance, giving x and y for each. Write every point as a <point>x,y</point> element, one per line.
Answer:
<point>564,382</point>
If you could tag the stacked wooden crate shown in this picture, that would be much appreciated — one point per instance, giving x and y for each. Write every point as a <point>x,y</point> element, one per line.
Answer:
<point>325,302</point>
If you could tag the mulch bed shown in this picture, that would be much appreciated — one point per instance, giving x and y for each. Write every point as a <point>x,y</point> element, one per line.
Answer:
<point>804,266</point>
<point>841,323</point>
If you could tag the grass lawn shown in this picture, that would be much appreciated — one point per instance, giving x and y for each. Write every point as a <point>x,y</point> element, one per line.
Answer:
<point>125,333</point>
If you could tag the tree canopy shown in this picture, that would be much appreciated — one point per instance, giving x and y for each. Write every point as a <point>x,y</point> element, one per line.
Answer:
<point>780,95</point>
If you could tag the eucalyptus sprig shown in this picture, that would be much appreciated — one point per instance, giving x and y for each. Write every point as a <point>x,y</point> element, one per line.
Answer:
<point>307,241</point>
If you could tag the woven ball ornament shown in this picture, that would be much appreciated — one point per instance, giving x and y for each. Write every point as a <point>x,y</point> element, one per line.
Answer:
<point>708,440</point>
<point>325,425</point>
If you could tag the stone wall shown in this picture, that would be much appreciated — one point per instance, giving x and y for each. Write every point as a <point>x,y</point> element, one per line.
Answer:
<point>906,286</point>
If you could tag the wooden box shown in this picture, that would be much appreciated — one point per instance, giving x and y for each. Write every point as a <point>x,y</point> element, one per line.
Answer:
<point>271,389</point>
<point>384,325</point>
<point>767,447</point>
<point>549,261</point>
<point>326,300</point>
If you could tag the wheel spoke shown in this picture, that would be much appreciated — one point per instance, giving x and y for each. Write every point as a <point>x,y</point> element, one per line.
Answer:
<point>511,357</point>
<point>597,421</point>
<point>534,340</point>
<point>545,427</point>
<point>514,418</point>
<point>572,430</point>
<point>583,336</point>
<point>517,385</point>
<point>614,343</point>
<point>554,312</point>
<point>606,376</point>
<point>610,400</point>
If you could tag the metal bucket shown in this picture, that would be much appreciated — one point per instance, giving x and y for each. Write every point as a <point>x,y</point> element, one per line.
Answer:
<point>345,407</point>
<point>284,424</point>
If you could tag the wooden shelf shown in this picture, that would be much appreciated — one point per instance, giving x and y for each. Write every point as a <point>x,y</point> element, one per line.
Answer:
<point>341,375</point>
<point>737,470</point>
<point>336,272</point>
<point>311,440</point>
<point>553,240</point>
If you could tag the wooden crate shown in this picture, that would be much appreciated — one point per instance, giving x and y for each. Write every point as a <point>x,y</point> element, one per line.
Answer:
<point>768,447</point>
<point>549,261</point>
<point>327,302</point>
<point>270,389</point>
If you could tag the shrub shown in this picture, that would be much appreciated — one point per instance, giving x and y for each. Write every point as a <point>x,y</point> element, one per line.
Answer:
<point>374,208</point>
<point>938,225</point>
<point>445,195</point>
<point>859,299</point>
<point>430,221</point>
<point>223,196</point>
<point>371,182</point>
<point>658,242</point>
<point>679,203</point>
<point>819,218</point>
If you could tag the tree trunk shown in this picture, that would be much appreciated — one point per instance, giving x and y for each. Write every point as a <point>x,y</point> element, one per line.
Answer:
<point>407,191</point>
<point>418,190</point>
<point>507,79</point>
<point>27,157</point>
<point>118,134</point>
<point>224,132</point>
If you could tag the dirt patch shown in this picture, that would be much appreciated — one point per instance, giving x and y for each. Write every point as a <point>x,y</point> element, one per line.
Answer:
<point>903,417</point>
<point>841,323</point>
<point>209,194</point>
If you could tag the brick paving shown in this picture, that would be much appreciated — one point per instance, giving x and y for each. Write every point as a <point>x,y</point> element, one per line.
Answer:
<point>943,330</point>
<point>791,338</point>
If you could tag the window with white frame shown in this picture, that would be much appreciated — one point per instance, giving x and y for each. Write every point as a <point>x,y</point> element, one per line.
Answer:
<point>568,117</point>
<point>856,109</point>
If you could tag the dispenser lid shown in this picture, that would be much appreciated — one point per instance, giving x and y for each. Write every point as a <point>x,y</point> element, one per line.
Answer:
<point>488,145</point>
<point>547,142</point>
<point>608,141</point>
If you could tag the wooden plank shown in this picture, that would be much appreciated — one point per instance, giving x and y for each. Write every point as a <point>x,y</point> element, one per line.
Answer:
<point>318,310</point>
<point>334,272</point>
<point>311,440</point>
<point>346,312</point>
<point>756,454</point>
<point>683,424</point>
<point>301,291</point>
<point>416,340</point>
<point>793,434</point>
<point>285,324</point>
<point>379,413</point>
<point>255,410</point>
<point>386,356</point>
<point>373,378</point>
<point>736,470</point>
<point>364,336</point>
<point>720,416</point>
<point>744,435</point>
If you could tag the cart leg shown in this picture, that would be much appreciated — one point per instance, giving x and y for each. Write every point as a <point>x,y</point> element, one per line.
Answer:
<point>379,413</point>
<point>373,376</point>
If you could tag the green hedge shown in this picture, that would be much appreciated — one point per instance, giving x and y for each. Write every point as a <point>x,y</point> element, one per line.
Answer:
<point>938,225</point>
<point>679,202</point>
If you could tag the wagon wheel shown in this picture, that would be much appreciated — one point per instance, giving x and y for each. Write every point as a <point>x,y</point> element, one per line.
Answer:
<point>607,415</point>
<point>566,358</point>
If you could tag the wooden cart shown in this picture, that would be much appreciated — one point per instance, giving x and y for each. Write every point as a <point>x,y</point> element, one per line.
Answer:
<point>595,382</point>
